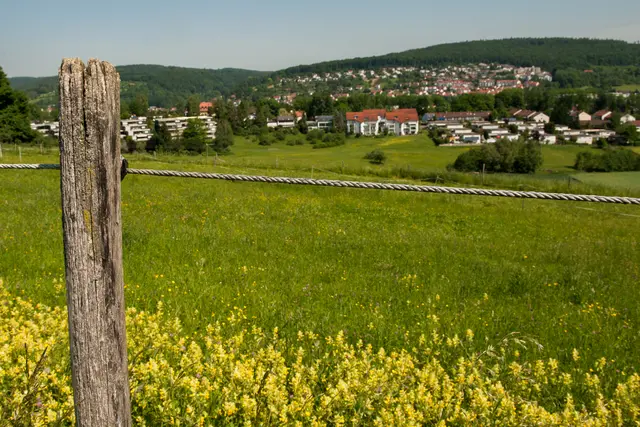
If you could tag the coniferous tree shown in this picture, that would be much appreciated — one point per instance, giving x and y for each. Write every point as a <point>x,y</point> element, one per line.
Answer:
<point>14,114</point>
<point>224,136</point>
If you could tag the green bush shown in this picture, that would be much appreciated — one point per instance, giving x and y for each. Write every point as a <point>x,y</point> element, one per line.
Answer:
<point>611,160</point>
<point>504,156</point>
<point>376,157</point>
<point>280,135</point>
<point>315,136</point>
<point>297,141</point>
<point>330,140</point>
<point>264,140</point>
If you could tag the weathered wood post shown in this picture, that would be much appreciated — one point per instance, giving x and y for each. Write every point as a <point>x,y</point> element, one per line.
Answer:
<point>91,219</point>
<point>483,169</point>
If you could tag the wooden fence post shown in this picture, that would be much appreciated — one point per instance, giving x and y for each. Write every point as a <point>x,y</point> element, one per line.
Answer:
<point>91,219</point>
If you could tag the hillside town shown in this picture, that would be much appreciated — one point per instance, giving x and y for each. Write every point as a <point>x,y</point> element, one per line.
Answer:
<point>397,81</point>
<point>447,128</point>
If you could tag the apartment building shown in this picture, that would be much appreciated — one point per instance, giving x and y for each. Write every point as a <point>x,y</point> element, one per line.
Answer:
<point>177,125</point>
<point>136,128</point>
<point>374,122</point>
<point>47,128</point>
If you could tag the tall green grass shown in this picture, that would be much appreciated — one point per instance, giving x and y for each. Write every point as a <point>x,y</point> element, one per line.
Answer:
<point>377,265</point>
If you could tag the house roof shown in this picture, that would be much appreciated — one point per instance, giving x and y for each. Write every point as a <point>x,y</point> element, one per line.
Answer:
<point>403,115</point>
<point>366,115</point>
<point>601,113</point>
<point>524,114</point>
<point>462,115</point>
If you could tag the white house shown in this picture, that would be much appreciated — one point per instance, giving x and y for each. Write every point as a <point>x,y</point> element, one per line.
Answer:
<point>367,122</point>
<point>549,139</point>
<point>602,115</point>
<point>627,118</point>
<point>136,128</point>
<point>583,117</point>
<point>324,122</point>
<point>584,139</point>
<point>374,122</point>
<point>498,133</point>
<point>177,125</point>
<point>403,121</point>
<point>540,118</point>
<point>472,138</point>
<point>47,128</point>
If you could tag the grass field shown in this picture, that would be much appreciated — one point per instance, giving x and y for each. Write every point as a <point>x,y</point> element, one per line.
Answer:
<point>628,88</point>
<point>327,260</point>
<point>416,152</point>
<point>383,267</point>
<point>622,180</point>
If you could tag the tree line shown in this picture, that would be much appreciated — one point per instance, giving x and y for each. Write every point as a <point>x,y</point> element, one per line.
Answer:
<point>15,114</point>
<point>548,53</point>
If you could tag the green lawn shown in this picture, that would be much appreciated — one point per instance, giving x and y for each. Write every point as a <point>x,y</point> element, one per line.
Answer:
<point>628,88</point>
<point>622,180</point>
<point>417,152</point>
<point>378,265</point>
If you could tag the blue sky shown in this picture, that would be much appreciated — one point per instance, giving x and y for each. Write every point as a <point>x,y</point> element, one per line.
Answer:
<point>268,35</point>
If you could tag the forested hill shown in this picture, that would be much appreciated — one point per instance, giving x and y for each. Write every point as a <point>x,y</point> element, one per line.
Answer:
<point>164,86</point>
<point>615,63</point>
<point>548,53</point>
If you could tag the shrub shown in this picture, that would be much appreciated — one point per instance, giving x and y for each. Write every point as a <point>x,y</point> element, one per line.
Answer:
<point>130,144</point>
<point>611,160</point>
<point>297,141</point>
<point>264,140</point>
<point>376,157</point>
<point>503,156</point>
<point>235,373</point>
<point>194,145</point>
<point>280,135</point>
<point>315,136</point>
<point>331,140</point>
<point>587,161</point>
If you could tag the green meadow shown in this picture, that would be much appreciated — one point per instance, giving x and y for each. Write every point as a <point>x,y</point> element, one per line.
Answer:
<point>384,267</point>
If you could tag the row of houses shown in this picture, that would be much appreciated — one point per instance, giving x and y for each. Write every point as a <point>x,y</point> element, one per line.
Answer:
<point>47,128</point>
<point>319,123</point>
<point>474,128</point>
<point>375,122</point>
<point>138,129</point>
<point>599,118</point>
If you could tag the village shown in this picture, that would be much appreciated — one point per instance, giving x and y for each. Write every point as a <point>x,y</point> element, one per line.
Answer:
<point>446,128</point>
<point>398,81</point>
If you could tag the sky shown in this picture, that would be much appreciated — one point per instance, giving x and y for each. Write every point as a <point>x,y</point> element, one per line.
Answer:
<point>269,35</point>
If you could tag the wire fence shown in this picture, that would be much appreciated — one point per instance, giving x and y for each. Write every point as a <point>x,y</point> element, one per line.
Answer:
<point>361,185</point>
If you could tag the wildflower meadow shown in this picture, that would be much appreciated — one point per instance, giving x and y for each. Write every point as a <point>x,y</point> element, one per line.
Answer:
<point>257,304</point>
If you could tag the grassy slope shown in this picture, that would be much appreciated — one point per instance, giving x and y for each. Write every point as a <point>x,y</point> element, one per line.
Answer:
<point>623,180</point>
<point>328,259</point>
<point>628,88</point>
<point>415,151</point>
